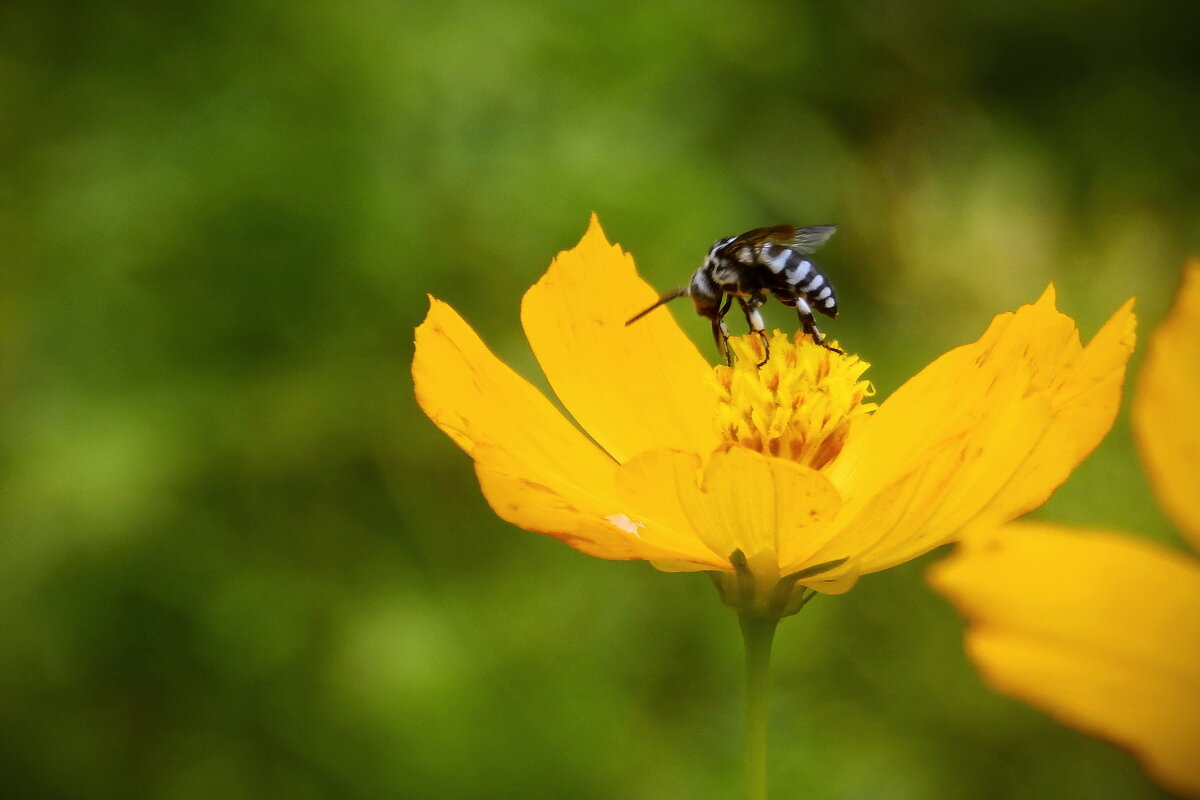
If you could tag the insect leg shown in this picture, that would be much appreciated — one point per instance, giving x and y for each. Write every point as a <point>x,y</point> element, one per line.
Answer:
<point>807,322</point>
<point>754,319</point>
<point>720,332</point>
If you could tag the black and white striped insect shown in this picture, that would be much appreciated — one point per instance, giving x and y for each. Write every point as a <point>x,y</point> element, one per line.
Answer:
<point>761,262</point>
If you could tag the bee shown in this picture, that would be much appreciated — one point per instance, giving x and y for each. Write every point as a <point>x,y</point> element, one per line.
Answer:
<point>758,263</point>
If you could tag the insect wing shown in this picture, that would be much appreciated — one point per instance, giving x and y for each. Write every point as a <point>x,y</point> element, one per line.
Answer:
<point>806,240</point>
<point>747,248</point>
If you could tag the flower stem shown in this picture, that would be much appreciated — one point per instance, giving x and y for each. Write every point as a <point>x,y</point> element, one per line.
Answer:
<point>757,635</point>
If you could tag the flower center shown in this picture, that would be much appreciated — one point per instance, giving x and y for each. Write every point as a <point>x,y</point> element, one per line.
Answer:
<point>800,405</point>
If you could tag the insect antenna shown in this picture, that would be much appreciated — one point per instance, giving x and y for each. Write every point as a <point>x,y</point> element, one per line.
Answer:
<point>666,298</point>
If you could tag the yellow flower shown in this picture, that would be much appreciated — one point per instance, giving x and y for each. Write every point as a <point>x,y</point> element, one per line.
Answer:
<point>773,479</point>
<point>1102,629</point>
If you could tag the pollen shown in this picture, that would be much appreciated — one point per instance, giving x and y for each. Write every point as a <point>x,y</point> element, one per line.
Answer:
<point>800,405</point>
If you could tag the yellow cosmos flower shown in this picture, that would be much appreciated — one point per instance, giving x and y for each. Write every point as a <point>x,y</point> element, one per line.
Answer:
<point>1102,629</point>
<point>773,479</point>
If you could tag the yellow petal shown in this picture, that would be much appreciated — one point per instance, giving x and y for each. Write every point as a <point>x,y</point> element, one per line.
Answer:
<point>741,500</point>
<point>1101,630</point>
<point>536,469</point>
<point>588,523</point>
<point>951,487</point>
<point>1084,388</point>
<point>1164,412</point>
<point>631,388</point>
<point>986,430</point>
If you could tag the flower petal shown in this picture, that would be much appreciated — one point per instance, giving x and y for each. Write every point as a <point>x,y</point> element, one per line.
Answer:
<point>1101,630</point>
<point>988,429</point>
<point>631,388</point>
<point>740,500</point>
<point>952,486</point>
<point>1084,388</point>
<point>565,512</point>
<point>536,469</point>
<point>1164,409</point>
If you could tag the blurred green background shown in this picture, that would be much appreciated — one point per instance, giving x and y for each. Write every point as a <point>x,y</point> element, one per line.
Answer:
<point>235,559</point>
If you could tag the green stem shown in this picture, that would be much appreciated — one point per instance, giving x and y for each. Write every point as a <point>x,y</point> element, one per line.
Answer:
<point>757,634</point>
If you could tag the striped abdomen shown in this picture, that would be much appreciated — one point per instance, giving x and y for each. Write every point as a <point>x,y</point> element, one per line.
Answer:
<point>797,276</point>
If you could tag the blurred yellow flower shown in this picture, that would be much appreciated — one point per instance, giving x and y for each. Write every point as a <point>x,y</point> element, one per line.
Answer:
<point>773,479</point>
<point>1102,629</point>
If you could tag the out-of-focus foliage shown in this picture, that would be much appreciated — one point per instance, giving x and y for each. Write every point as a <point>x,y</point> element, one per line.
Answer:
<point>236,562</point>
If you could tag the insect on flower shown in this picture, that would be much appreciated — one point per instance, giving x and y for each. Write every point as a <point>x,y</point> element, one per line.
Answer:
<point>751,266</point>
